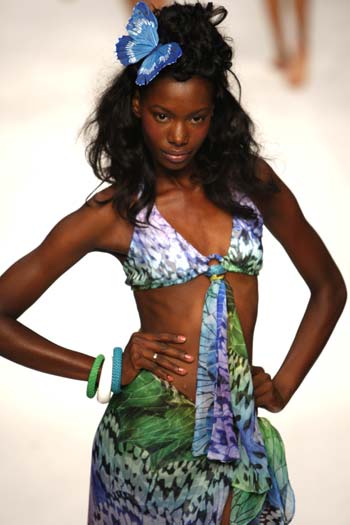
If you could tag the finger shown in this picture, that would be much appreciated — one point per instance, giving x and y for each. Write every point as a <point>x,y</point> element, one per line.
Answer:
<point>261,379</point>
<point>270,400</point>
<point>256,370</point>
<point>153,367</point>
<point>267,402</point>
<point>164,336</point>
<point>159,360</point>
<point>263,389</point>
<point>263,400</point>
<point>170,351</point>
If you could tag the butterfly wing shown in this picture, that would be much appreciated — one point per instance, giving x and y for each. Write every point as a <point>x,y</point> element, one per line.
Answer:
<point>143,23</point>
<point>143,35</point>
<point>161,57</point>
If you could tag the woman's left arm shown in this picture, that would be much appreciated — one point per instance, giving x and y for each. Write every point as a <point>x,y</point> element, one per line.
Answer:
<point>285,220</point>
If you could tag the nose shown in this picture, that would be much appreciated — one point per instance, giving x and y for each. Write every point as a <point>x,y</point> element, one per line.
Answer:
<point>178,134</point>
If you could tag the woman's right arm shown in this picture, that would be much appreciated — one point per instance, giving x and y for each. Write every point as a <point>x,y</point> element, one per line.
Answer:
<point>77,234</point>
<point>87,229</point>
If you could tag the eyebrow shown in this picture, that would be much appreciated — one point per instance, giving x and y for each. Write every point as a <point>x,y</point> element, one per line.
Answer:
<point>168,111</point>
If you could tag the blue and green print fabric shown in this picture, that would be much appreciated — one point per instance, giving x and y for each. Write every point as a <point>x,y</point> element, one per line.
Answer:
<point>158,458</point>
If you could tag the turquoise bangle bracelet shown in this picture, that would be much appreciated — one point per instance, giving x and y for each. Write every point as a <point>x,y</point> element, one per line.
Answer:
<point>117,370</point>
<point>91,388</point>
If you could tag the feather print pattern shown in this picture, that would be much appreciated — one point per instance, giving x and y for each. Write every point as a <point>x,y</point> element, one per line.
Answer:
<point>158,458</point>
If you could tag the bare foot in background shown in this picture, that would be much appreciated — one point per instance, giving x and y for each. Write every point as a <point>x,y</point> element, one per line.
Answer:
<point>281,61</point>
<point>297,69</point>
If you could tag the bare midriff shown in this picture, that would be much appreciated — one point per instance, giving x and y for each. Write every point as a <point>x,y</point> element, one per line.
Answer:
<point>178,309</point>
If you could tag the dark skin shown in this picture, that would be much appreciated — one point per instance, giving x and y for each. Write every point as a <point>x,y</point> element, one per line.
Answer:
<point>175,118</point>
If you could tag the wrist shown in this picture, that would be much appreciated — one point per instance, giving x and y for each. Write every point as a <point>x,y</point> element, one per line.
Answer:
<point>283,388</point>
<point>128,371</point>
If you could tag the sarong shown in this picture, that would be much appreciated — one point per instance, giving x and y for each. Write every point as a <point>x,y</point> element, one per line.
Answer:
<point>160,459</point>
<point>143,470</point>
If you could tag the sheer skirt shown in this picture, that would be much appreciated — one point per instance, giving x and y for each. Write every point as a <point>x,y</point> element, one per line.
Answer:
<point>143,470</point>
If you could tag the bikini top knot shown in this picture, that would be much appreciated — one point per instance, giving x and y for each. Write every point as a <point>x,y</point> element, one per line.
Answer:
<point>215,271</point>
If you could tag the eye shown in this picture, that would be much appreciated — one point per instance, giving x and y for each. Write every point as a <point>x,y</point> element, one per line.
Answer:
<point>161,117</point>
<point>197,119</point>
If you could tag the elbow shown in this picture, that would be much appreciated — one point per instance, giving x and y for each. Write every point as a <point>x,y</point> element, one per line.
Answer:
<point>339,299</point>
<point>340,291</point>
<point>342,295</point>
<point>333,292</point>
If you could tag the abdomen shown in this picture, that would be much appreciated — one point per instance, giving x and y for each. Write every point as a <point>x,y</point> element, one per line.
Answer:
<point>178,309</point>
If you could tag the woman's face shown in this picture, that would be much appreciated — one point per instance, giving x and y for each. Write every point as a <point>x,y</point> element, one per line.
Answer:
<point>175,119</point>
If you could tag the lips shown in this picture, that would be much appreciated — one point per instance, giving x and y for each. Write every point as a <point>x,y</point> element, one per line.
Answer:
<point>176,157</point>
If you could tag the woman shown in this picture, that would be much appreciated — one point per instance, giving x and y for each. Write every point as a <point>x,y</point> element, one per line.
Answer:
<point>180,441</point>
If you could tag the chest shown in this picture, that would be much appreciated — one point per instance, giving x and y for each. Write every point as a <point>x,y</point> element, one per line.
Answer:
<point>159,255</point>
<point>205,228</point>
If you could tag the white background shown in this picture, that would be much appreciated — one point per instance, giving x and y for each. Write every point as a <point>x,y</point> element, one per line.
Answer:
<point>55,57</point>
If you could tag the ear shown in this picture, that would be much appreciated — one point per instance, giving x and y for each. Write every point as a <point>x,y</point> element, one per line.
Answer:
<point>136,104</point>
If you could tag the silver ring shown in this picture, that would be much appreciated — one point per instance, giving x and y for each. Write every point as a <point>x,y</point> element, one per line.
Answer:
<point>155,355</point>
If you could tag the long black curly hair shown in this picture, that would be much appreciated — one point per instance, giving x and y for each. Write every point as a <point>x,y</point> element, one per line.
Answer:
<point>227,158</point>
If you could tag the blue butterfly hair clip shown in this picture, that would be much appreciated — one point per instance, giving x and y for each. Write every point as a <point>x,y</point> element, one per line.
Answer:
<point>143,41</point>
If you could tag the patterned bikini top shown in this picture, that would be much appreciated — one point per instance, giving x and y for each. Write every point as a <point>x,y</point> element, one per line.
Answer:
<point>160,256</point>
<point>226,427</point>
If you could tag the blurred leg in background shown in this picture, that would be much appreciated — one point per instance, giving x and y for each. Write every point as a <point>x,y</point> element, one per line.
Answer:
<point>297,69</point>
<point>281,58</point>
<point>294,63</point>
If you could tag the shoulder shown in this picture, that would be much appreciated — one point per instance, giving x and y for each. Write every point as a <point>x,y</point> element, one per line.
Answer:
<point>103,196</point>
<point>281,211</point>
<point>112,231</point>
<point>95,226</point>
<point>276,204</point>
<point>286,221</point>
<point>89,228</point>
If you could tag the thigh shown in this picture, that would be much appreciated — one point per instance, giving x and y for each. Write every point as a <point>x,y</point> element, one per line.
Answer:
<point>225,520</point>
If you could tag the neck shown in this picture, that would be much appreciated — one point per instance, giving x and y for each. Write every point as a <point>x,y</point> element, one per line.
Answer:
<point>181,179</point>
